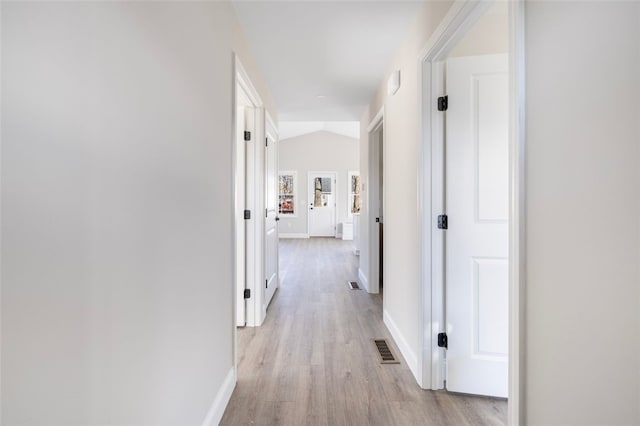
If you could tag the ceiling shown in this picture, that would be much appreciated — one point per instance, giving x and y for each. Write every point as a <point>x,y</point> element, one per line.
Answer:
<point>323,60</point>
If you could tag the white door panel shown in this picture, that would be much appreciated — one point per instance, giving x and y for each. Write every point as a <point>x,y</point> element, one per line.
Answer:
<point>322,204</point>
<point>271,220</point>
<point>477,197</point>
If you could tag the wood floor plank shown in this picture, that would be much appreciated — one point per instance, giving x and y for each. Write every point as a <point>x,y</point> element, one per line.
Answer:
<point>313,363</point>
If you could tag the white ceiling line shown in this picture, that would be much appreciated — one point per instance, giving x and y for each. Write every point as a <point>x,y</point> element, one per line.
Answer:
<point>291,129</point>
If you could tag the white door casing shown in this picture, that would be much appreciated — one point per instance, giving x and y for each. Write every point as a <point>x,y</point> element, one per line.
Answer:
<point>477,239</point>
<point>373,198</point>
<point>254,186</point>
<point>322,204</point>
<point>271,216</point>
<point>240,200</point>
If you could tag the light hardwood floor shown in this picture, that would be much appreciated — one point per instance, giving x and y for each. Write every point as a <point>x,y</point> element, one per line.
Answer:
<point>313,362</point>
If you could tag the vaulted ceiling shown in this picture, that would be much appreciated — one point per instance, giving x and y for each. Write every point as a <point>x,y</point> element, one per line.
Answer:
<point>323,60</point>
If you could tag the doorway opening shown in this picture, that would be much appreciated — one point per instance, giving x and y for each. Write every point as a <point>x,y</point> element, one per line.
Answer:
<point>319,196</point>
<point>471,202</point>
<point>255,212</point>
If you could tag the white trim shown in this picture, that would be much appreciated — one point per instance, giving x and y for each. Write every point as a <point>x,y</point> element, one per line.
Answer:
<point>256,225</point>
<point>374,243</point>
<point>1,210</point>
<point>242,78</point>
<point>460,18</point>
<point>363,279</point>
<point>271,128</point>
<point>216,411</point>
<point>376,121</point>
<point>405,349</point>
<point>239,228</point>
<point>517,224</point>
<point>255,233</point>
<point>234,211</point>
<point>284,236</point>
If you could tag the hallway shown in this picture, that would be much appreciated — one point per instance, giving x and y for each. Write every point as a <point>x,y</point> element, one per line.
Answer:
<point>313,362</point>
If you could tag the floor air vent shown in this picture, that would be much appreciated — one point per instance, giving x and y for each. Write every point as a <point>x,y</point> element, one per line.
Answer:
<point>384,352</point>
<point>353,285</point>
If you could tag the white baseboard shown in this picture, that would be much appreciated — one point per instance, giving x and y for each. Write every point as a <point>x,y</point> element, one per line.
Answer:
<point>222,399</point>
<point>293,235</point>
<point>363,279</point>
<point>408,354</point>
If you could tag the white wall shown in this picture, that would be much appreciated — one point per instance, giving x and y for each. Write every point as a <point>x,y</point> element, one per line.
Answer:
<point>583,213</point>
<point>116,195</point>
<point>402,122</point>
<point>490,35</point>
<point>322,152</point>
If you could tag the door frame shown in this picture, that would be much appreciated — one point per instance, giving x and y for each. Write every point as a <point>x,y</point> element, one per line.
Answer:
<point>255,202</point>
<point>374,157</point>
<point>460,18</point>
<point>271,132</point>
<point>335,195</point>
<point>243,120</point>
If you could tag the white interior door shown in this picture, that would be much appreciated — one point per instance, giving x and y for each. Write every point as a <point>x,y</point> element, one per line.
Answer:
<point>477,200</point>
<point>322,204</point>
<point>271,220</point>
<point>240,200</point>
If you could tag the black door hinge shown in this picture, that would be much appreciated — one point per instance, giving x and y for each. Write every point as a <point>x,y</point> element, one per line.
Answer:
<point>266,283</point>
<point>247,135</point>
<point>443,342</point>
<point>247,214</point>
<point>443,103</point>
<point>443,221</point>
<point>247,293</point>
<point>266,141</point>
